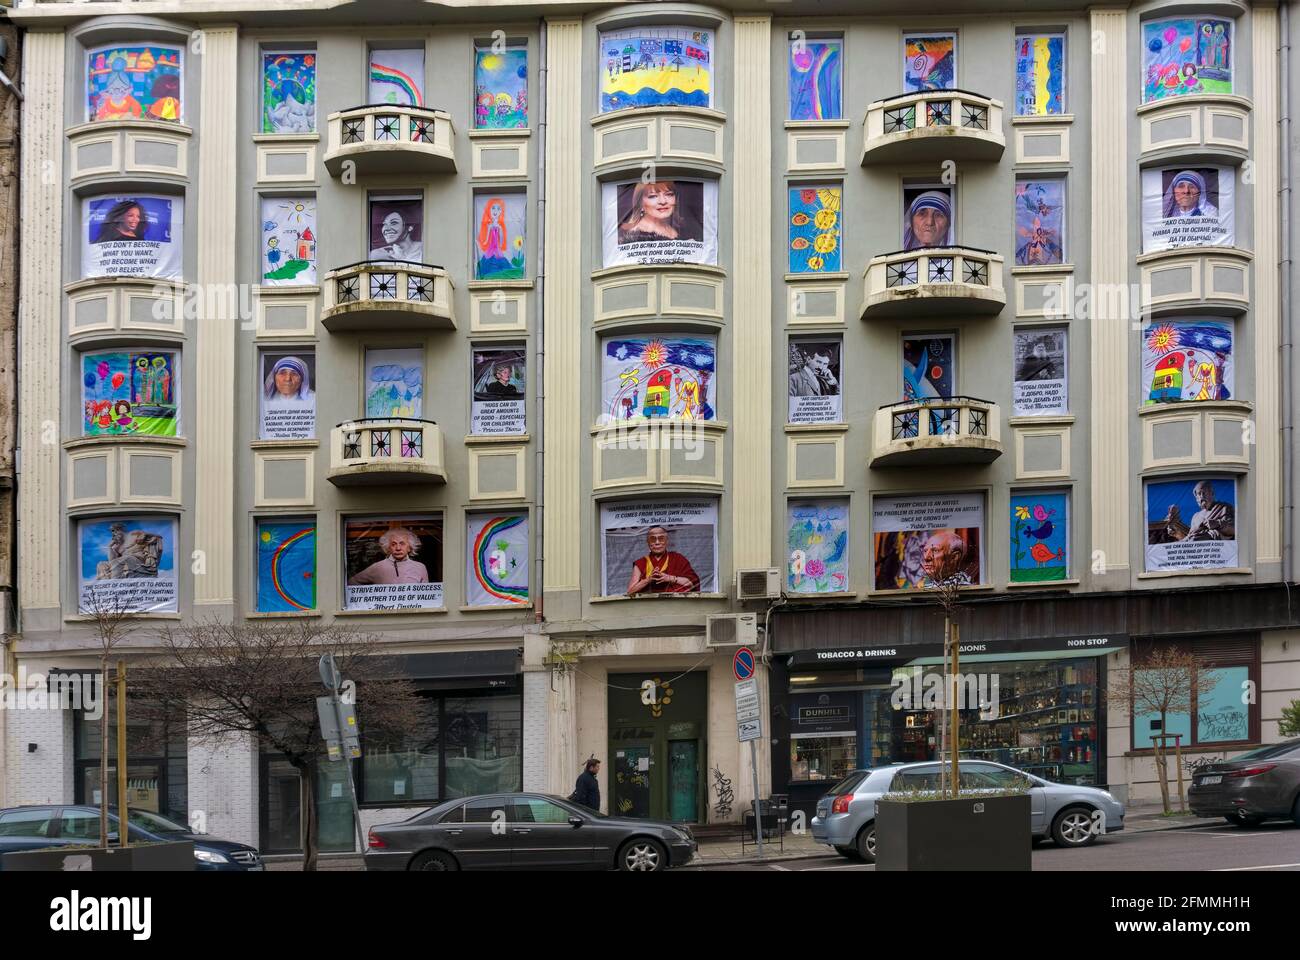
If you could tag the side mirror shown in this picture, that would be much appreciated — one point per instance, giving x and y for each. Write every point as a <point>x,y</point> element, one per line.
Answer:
<point>575,821</point>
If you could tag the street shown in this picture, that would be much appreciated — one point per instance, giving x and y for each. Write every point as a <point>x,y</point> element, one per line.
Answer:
<point>1274,846</point>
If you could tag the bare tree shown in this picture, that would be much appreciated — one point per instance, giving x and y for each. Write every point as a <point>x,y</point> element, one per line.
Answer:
<point>1163,681</point>
<point>110,615</point>
<point>262,680</point>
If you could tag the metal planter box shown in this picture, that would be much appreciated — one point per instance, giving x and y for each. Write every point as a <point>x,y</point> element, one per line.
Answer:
<point>971,833</point>
<point>142,857</point>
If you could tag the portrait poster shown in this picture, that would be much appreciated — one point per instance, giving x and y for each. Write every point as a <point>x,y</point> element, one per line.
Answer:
<point>929,62</point>
<point>1187,360</point>
<point>288,91</point>
<point>1040,536</point>
<point>657,376</point>
<point>927,539</point>
<point>928,217</point>
<point>1040,74</point>
<point>288,241</point>
<point>393,563</point>
<point>1040,222</point>
<point>1186,55</point>
<point>500,88</point>
<point>396,228</point>
<point>130,393</point>
<point>500,222</point>
<point>1191,524</point>
<point>500,386</point>
<point>286,565</point>
<point>496,572</point>
<point>665,221</point>
<point>815,79</point>
<point>135,82</point>
<point>1041,386</point>
<point>127,564</point>
<point>815,228</point>
<point>132,236</point>
<point>817,546</point>
<point>1188,207</point>
<point>395,383</point>
<point>929,366</point>
<point>397,76</point>
<point>687,562</point>
<point>815,392</point>
<point>656,66</point>
<point>288,400</point>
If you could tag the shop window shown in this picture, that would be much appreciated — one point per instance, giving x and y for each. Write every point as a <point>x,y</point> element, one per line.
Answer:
<point>288,401</point>
<point>1187,360</point>
<point>132,235</point>
<point>1186,55</point>
<point>659,546</point>
<point>1040,74</point>
<point>394,387</point>
<point>817,546</point>
<point>930,539</point>
<point>656,66</point>
<point>929,218</point>
<point>1040,536</point>
<point>1040,361</point>
<point>500,87</point>
<point>288,241</point>
<point>130,392</point>
<point>929,62</point>
<point>660,222</point>
<point>1224,712</point>
<point>1188,207</point>
<point>127,564</point>
<point>822,758</point>
<point>409,770</point>
<point>815,78</point>
<point>393,562</point>
<point>500,222</point>
<point>286,565</point>
<point>288,90</point>
<point>816,393</point>
<point>396,76</point>
<point>816,228</point>
<point>157,766</point>
<point>396,232</point>
<point>1040,221</point>
<point>483,752</point>
<point>135,81</point>
<point>658,377</point>
<point>497,567</point>
<point>1191,524</point>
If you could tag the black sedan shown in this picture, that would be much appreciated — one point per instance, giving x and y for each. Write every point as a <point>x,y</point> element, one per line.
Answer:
<point>63,825</point>
<point>525,831</point>
<point>1261,785</point>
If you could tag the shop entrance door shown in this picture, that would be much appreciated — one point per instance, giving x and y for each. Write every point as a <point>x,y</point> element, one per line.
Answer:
<point>683,780</point>
<point>634,781</point>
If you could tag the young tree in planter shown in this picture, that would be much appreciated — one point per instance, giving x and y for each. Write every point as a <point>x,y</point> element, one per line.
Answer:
<point>109,615</point>
<point>1164,681</point>
<point>263,680</point>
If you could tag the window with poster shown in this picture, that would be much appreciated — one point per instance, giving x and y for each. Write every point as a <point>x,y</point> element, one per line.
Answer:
<point>1224,709</point>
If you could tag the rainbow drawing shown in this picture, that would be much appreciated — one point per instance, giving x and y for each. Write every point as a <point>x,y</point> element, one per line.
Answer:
<point>498,560</point>
<point>401,86</point>
<point>286,567</point>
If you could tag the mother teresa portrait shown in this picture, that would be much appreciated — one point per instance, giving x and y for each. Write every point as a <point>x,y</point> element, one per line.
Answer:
<point>928,222</point>
<point>1187,196</point>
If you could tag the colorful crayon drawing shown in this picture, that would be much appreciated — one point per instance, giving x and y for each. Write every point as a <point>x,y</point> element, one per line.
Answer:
<point>929,63</point>
<point>1040,537</point>
<point>500,88</point>
<point>816,79</point>
<point>658,377</point>
<point>129,393</point>
<point>814,229</point>
<point>1185,56</point>
<point>1040,75</point>
<point>286,566</point>
<point>288,240</point>
<point>656,66</point>
<point>1040,222</point>
<point>1187,360</point>
<point>289,91</point>
<point>500,220</point>
<point>817,546</point>
<point>397,77</point>
<point>136,82</point>
<point>498,559</point>
<point>395,383</point>
<point>928,367</point>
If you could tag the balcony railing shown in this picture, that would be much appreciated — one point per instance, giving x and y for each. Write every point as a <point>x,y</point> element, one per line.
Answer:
<point>936,431</point>
<point>387,295</point>
<point>386,450</point>
<point>935,125</point>
<point>387,138</point>
<point>934,280</point>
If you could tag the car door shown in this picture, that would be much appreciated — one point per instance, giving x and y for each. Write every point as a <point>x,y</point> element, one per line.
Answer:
<point>1007,778</point>
<point>28,828</point>
<point>483,841</point>
<point>542,838</point>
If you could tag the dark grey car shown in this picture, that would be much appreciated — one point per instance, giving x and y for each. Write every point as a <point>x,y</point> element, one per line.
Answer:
<point>526,831</point>
<point>1260,785</point>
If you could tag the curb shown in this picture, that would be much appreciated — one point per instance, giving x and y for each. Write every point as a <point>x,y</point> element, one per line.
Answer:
<point>753,858</point>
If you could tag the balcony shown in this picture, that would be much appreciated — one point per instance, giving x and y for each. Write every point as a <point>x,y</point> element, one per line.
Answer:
<point>386,451</point>
<point>936,431</point>
<point>934,281</point>
<point>933,126</point>
<point>385,138</point>
<point>387,295</point>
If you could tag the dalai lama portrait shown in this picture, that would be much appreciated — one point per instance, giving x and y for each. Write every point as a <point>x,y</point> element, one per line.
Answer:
<point>661,570</point>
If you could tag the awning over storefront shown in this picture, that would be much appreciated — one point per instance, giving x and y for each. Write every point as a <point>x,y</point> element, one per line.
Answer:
<point>445,670</point>
<point>975,652</point>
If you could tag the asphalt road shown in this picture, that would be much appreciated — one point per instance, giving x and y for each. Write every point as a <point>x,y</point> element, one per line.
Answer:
<point>1274,846</point>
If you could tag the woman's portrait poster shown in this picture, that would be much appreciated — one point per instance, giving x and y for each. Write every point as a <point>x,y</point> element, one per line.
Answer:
<point>663,221</point>
<point>928,216</point>
<point>1187,207</point>
<point>132,236</point>
<point>396,228</point>
<point>288,398</point>
<point>500,385</point>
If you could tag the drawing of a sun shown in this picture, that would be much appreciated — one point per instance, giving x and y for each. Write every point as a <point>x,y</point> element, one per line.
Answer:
<point>1162,339</point>
<point>654,354</point>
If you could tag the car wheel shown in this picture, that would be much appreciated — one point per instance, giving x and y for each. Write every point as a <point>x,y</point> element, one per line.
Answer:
<point>1247,821</point>
<point>642,856</point>
<point>866,842</point>
<point>1073,828</point>
<point>434,860</point>
<point>849,852</point>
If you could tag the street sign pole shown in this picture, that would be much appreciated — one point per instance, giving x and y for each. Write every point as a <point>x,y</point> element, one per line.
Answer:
<point>758,806</point>
<point>749,725</point>
<point>348,745</point>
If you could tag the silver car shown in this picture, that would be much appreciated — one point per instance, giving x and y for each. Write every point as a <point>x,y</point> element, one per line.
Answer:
<point>1073,816</point>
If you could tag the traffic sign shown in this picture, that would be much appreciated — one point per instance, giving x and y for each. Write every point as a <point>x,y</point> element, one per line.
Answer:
<point>749,730</point>
<point>742,664</point>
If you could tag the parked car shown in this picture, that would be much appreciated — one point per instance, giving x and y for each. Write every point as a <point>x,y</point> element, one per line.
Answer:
<point>846,816</point>
<point>526,831</point>
<point>66,825</point>
<point>1260,785</point>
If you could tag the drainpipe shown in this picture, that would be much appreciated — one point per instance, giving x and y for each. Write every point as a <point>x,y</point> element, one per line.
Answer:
<point>539,366</point>
<point>1288,366</point>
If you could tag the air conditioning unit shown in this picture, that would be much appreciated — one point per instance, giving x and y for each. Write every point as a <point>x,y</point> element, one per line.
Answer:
<point>759,584</point>
<point>731,630</point>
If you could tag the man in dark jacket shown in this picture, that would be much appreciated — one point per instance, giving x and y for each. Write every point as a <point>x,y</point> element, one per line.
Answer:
<point>587,789</point>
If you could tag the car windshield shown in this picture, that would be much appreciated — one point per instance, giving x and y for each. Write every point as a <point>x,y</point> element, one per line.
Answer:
<point>848,784</point>
<point>155,824</point>
<point>1271,752</point>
